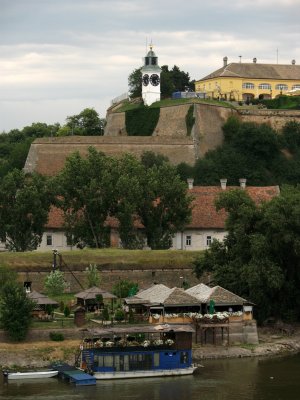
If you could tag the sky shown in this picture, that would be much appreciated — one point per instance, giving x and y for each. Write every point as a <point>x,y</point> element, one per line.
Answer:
<point>58,57</point>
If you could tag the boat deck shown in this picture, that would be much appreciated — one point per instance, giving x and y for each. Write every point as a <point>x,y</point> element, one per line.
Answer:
<point>73,375</point>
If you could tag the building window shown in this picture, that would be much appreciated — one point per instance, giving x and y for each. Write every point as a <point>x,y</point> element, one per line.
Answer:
<point>248,85</point>
<point>265,86</point>
<point>188,240</point>
<point>49,240</point>
<point>281,86</point>
<point>208,241</point>
<point>296,87</point>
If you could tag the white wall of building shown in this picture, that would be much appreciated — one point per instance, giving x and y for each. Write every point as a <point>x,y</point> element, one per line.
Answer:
<point>196,239</point>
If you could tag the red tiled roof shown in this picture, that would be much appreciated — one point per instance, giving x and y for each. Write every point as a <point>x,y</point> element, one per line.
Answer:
<point>204,213</point>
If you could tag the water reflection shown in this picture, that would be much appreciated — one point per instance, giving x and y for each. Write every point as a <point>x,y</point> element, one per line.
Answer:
<point>238,379</point>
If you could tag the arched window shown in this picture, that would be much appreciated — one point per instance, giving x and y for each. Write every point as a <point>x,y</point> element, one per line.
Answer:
<point>281,86</point>
<point>264,86</point>
<point>296,87</point>
<point>248,85</point>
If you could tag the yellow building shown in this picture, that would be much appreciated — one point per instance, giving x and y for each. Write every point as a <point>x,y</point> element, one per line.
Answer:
<point>245,81</point>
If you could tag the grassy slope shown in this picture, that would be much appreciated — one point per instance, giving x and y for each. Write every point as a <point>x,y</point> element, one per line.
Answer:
<point>82,258</point>
<point>170,102</point>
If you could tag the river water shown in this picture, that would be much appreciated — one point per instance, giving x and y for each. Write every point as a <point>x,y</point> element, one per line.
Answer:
<point>242,379</point>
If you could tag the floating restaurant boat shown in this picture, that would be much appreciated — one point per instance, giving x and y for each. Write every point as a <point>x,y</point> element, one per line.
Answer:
<point>30,375</point>
<point>138,352</point>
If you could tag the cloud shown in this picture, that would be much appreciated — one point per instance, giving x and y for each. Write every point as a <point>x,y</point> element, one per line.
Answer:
<point>73,53</point>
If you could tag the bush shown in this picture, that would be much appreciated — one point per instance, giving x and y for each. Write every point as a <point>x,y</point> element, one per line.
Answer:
<point>105,314</point>
<point>141,121</point>
<point>56,336</point>
<point>67,311</point>
<point>119,315</point>
<point>61,306</point>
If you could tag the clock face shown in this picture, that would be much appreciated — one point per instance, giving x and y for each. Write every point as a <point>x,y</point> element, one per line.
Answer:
<point>154,79</point>
<point>146,80</point>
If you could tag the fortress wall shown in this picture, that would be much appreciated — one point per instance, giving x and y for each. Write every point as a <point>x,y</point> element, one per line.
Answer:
<point>208,132</point>
<point>276,118</point>
<point>144,276</point>
<point>172,121</point>
<point>115,124</point>
<point>47,155</point>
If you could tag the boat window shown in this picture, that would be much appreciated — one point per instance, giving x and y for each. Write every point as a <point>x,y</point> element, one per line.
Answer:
<point>183,357</point>
<point>108,361</point>
<point>156,359</point>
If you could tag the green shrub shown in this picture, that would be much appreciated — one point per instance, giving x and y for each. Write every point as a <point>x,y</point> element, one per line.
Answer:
<point>141,121</point>
<point>105,314</point>
<point>56,336</point>
<point>190,120</point>
<point>119,315</point>
<point>67,311</point>
<point>61,306</point>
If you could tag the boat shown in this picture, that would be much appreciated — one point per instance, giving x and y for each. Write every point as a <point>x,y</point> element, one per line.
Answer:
<point>30,375</point>
<point>137,351</point>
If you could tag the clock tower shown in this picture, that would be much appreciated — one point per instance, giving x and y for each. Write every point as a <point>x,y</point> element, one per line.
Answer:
<point>150,79</point>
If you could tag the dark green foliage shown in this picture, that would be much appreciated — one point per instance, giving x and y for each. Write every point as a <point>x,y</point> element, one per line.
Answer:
<point>130,316</point>
<point>15,311</point>
<point>141,121</point>
<point>105,314</point>
<point>190,120</point>
<point>253,151</point>
<point>24,205</point>
<point>280,102</point>
<point>149,159</point>
<point>135,83</point>
<point>185,171</point>
<point>119,315</point>
<point>67,311</point>
<point>86,123</point>
<point>291,135</point>
<point>259,258</point>
<point>124,288</point>
<point>56,336</point>
<point>61,306</point>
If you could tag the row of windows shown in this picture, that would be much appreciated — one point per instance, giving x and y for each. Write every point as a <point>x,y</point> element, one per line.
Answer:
<point>265,86</point>
<point>188,240</point>
<point>279,86</point>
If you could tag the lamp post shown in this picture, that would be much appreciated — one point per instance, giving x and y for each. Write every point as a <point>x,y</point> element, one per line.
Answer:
<point>55,254</point>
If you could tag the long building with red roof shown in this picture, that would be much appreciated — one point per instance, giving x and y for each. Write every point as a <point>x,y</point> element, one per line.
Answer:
<point>206,223</point>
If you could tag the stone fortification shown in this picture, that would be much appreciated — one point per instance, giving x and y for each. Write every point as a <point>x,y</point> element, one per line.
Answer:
<point>276,118</point>
<point>47,155</point>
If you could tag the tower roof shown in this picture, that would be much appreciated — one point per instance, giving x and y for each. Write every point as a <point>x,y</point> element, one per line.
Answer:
<point>151,61</point>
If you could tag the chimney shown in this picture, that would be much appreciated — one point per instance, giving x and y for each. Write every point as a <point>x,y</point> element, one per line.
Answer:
<point>225,59</point>
<point>223,183</point>
<point>190,182</point>
<point>293,62</point>
<point>243,183</point>
<point>254,60</point>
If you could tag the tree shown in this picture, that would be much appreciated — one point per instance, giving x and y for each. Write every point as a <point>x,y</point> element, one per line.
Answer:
<point>124,288</point>
<point>129,195</point>
<point>86,187</point>
<point>135,83</point>
<point>165,207</point>
<point>55,283</point>
<point>24,205</point>
<point>259,258</point>
<point>93,276</point>
<point>86,123</point>
<point>15,311</point>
